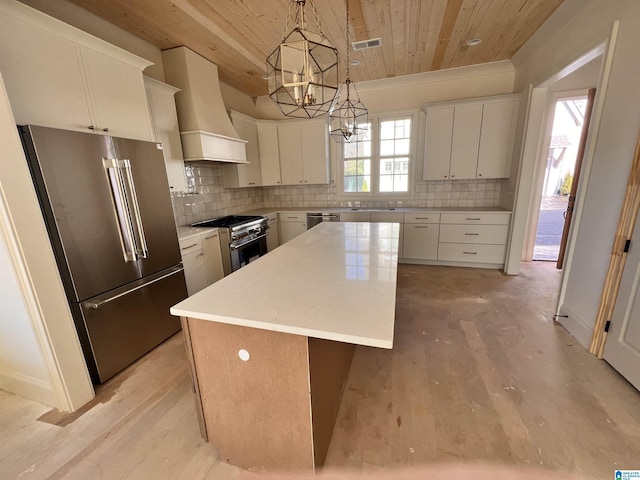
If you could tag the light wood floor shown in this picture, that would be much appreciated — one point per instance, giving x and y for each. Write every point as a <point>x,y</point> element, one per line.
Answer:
<point>479,373</point>
<point>141,425</point>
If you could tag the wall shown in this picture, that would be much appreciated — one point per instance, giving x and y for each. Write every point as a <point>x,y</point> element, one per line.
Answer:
<point>575,28</point>
<point>461,193</point>
<point>22,366</point>
<point>410,93</point>
<point>207,198</point>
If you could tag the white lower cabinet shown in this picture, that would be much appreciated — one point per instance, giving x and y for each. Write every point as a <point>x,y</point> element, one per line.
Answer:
<point>473,253</point>
<point>473,237</point>
<point>273,236</point>
<point>195,273</point>
<point>291,225</point>
<point>212,257</point>
<point>202,260</point>
<point>420,236</point>
<point>355,216</point>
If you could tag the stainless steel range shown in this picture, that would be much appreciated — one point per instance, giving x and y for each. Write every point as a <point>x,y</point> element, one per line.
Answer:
<point>243,239</point>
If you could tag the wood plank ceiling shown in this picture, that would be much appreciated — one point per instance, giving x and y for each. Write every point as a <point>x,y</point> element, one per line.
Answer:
<point>417,35</point>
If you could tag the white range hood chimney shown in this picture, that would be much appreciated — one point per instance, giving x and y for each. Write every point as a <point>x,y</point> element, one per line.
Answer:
<point>205,128</point>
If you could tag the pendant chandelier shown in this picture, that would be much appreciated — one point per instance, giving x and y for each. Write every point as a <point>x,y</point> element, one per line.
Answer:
<point>348,121</point>
<point>303,70</point>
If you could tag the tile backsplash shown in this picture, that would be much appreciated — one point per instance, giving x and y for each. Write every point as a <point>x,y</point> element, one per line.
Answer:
<point>207,198</point>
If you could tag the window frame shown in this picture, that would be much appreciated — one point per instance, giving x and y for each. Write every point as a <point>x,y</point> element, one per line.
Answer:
<point>375,194</point>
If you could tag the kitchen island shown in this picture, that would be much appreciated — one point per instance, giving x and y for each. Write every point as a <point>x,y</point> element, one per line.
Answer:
<point>271,345</point>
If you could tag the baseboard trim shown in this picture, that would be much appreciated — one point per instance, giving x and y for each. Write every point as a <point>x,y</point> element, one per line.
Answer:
<point>28,387</point>
<point>576,326</point>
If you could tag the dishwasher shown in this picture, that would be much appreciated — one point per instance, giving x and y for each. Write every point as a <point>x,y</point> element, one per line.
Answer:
<point>314,219</point>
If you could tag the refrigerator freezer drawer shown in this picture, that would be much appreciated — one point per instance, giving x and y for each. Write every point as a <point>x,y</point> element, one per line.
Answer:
<point>119,327</point>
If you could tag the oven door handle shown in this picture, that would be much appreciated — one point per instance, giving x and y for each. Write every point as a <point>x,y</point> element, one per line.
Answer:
<point>235,247</point>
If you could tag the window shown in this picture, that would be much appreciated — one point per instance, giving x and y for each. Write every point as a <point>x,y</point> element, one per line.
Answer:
<point>378,164</point>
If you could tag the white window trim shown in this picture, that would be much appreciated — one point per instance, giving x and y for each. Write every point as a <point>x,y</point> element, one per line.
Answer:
<point>375,119</point>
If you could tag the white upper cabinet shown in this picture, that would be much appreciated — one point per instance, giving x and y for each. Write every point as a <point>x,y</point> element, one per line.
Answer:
<point>304,152</point>
<point>117,95</point>
<point>465,141</point>
<point>438,143</point>
<point>315,151</point>
<point>470,139</point>
<point>290,144</point>
<point>496,142</point>
<point>269,154</point>
<point>249,174</point>
<point>164,124</point>
<point>43,76</point>
<point>61,77</point>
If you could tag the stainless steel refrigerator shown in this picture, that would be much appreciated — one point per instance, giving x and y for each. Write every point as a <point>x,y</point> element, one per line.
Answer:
<point>107,208</point>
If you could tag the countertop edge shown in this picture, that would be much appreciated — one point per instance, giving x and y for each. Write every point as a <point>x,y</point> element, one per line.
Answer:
<point>307,332</point>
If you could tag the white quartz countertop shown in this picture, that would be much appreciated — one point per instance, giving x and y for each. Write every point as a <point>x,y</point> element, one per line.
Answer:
<point>190,232</point>
<point>267,211</point>
<point>336,281</point>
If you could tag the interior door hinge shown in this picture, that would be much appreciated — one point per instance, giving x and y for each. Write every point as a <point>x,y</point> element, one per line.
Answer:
<point>607,325</point>
<point>627,245</point>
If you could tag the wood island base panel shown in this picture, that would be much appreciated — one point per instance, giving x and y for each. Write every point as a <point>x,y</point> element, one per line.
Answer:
<point>269,400</point>
<point>271,345</point>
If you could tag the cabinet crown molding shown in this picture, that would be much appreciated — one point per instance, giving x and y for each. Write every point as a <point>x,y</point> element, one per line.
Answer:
<point>31,18</point>
<point>467,101</point>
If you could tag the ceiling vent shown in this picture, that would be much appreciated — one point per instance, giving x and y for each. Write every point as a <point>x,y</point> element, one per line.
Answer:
<point>364,44</point>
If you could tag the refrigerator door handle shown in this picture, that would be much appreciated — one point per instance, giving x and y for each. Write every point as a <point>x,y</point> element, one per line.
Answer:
<point>99,302</point>
<point>143,250</point>
<point>123,216</point>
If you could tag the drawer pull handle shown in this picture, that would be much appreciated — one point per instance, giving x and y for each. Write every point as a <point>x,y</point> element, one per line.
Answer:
<point>421,226</point>
<point>190,246</point>
<point>211,236</point>
<point>473,218</point>
<point>422,218</point>
<point>292,218</point>
<point>470,253</point>
<point>472,234</point>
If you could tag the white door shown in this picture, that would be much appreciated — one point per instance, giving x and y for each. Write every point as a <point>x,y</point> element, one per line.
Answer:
<point>622,350</point>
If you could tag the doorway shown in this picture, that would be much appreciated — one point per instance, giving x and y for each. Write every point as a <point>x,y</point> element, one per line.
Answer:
<point>564,145</point>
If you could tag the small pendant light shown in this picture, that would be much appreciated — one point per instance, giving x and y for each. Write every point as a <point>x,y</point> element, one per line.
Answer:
<point>348,120</point>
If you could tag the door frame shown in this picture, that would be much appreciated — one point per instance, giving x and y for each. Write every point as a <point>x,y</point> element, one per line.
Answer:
<point>569,322</point>
<point>541,167</point>
<point>532,144</point>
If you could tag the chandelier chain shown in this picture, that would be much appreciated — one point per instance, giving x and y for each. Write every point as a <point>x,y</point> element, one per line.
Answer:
<point>315,12</point>
<point>286,23</point>
<point>347,36</point>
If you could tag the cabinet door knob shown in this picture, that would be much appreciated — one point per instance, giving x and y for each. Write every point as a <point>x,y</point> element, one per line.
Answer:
<point>105,129</point>
<point>452,176</point>
<point>91,127</point>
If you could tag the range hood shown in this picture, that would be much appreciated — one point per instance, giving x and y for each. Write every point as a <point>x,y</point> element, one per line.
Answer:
<point>205,128</point>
